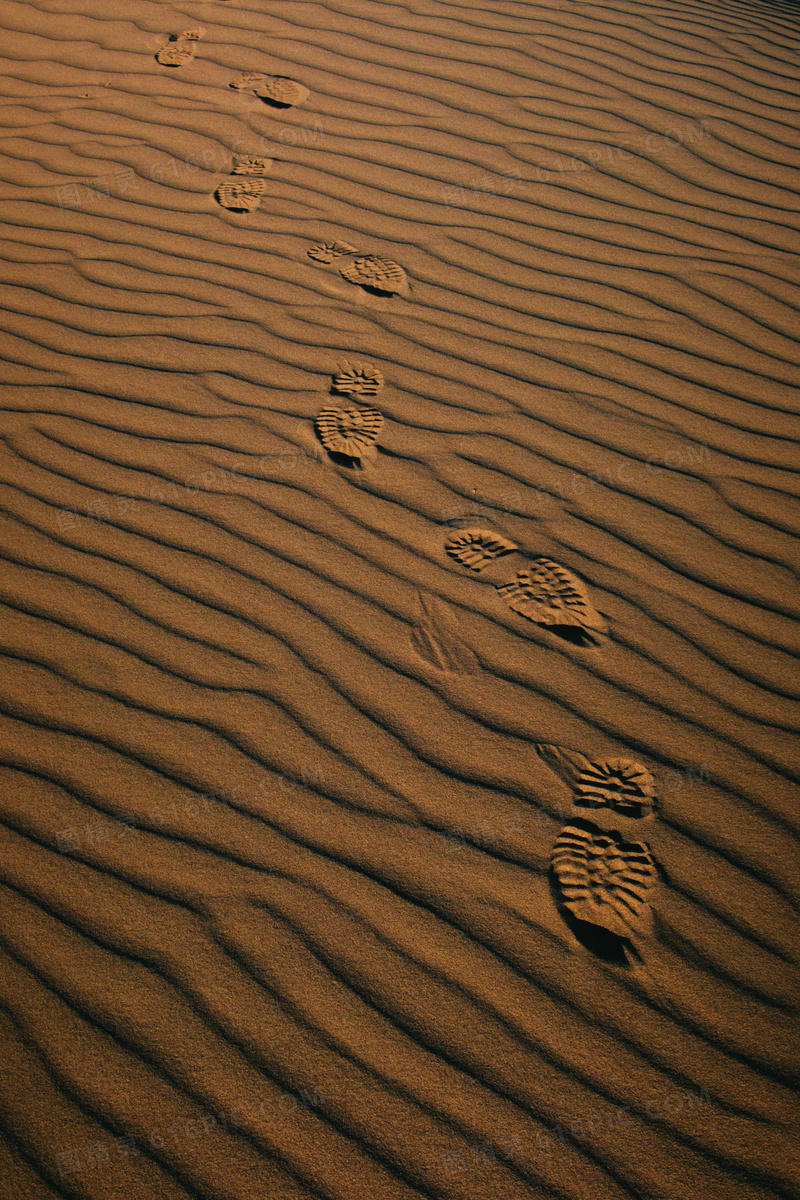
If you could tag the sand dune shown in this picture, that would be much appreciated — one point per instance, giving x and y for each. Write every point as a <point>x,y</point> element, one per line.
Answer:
<point>339,588</point>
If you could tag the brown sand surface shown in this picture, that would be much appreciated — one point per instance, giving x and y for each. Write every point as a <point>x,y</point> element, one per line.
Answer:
<point>317,871</point>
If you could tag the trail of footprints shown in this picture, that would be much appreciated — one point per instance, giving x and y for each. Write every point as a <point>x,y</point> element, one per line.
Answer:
<point>276,90</point>
<point>381,276</point>
<point>602,878</point>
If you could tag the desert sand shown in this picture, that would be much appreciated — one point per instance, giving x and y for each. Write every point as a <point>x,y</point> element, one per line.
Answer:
<point>399,491</point>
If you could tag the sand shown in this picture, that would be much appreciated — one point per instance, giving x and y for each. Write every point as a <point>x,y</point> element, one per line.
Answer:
<point>399,492</point>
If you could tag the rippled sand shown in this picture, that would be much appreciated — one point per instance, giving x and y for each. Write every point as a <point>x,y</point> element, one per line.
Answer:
<point>282,772</point>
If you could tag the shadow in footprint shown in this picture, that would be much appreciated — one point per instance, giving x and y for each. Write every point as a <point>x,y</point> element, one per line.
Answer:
<point>574,635</point>
<point>608,947</point>
<point>345,460</point>
<point>374,291</point>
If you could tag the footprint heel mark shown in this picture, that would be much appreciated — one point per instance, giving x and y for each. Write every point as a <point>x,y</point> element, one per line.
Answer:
<point>350,431</point>
<point>436,638</point>
<point>326,252</point>
<point>374,274</point>
<point>620,784</point>
<point>476,548</point>
<point>551,595</point>
<point>180,48</point>
<point>246,83</point>
<point>250,164</point>
<point>240,195</point>
<point>358,379</point>
<point>604,883</point>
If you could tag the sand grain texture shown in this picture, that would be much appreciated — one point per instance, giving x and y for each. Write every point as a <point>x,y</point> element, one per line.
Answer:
<point>278,916</point>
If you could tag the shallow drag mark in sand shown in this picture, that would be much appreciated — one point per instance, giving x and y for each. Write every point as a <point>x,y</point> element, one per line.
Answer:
<point>277,903</point>
<point>439,639</point>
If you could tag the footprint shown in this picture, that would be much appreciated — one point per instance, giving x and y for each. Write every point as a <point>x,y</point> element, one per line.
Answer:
<point>360,379</point>
<point>620,784</point>
<point>175,54</point>
<point>348,431</point>
<point>603,881</point>
<point>551,595</point>
<point>375,274</point>
<point>244,196</point>
<point>179,50</point>
<point>277,90</point>
<point>282,92</point>
<point>326,252</point>
<point>435,637</point>
<point>476,548</point>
